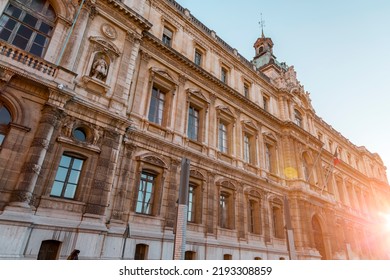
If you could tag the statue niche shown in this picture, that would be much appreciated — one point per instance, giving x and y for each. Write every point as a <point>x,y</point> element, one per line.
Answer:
<point>100,67</point>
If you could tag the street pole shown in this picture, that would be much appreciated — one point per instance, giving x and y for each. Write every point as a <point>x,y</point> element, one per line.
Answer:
<point>182,209</point>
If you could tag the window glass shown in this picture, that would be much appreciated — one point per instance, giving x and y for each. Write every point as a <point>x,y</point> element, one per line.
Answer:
<point>145,193</point>
<point>193,123</point>
<point>28,26</point>
<point>80,134</point>
<point>67,177</point>
<point>156,108</point>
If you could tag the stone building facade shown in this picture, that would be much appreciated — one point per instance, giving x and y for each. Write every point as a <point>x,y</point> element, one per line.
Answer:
<point>100,100</point>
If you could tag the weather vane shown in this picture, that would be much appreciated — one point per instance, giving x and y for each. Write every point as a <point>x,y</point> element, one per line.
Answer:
<point>262,24</point>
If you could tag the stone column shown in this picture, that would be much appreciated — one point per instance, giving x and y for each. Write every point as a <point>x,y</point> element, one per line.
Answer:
<point>211,219</point>
<point>126,71</point>
<point>22,195</point>
<point>72,47</point>
<point>104,175</point>
<point>173,192</point>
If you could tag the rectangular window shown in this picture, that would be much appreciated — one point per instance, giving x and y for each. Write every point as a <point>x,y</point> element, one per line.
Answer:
<point>223,138</point>
<point>156,108</point>
<point>193,123</point>
<point>265,103</point>
<point>224,75</point>
<point>277,218</point>
<point>268,157</point>
<point>198,58</point>
<point>167,36</point>
<point>223,210</point>
<point>251,213</point>
<point>145,193</point>
<point>246,90</point>
<point>67,177</point>
<point>247,148</point>
<point>191,203</point>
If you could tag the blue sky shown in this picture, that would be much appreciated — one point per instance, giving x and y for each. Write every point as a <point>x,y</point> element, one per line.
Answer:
<point>340,50</point>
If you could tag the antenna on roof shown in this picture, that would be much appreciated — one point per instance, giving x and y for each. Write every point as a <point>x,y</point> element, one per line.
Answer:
<point>262,25</point>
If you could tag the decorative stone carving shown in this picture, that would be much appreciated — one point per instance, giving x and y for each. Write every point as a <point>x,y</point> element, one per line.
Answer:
<point>97,135</point>
<point>109,31</point>
<point>100,67</point>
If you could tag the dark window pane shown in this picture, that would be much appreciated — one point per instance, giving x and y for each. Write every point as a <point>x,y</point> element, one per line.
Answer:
<point>30,20</point>
<point>45,28</point>
<point>24,32</point>
<point>20,42</point>
<point>5,116</point>
<point>5,34</point>
<point>13,11</point>
<point>36,49</point>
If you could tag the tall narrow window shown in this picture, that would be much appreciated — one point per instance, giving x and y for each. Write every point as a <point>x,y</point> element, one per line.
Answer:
<point>251,221</point>
<point>225,210</point>
<point>67,177</point>
<point>5,119</point>
<point>28,26</point>
<point>156,108</point>
<point>141,252</point>
<point>193,123</point>
<point>145,193</point>
<point>246,90</point>
<point>198,57</point>
<point>223,138</point>
<point>191,203</point>
<point>167,36</point>
<point>277,219</point>
<point>224,75</point>
<point>266,103</point>
<point>298,118</point>
<point>247,148</point>
<point>268,157</point>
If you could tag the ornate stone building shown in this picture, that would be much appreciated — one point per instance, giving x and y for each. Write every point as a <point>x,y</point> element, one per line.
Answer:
<point>101,99</point>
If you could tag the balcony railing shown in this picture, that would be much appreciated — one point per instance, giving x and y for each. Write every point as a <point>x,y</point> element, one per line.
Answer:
<point>16,56</point>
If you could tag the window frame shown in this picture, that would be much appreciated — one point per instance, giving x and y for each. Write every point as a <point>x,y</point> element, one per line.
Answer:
<point>298,118</point>
<point>277,218</point>
<point>36,30</point>
<point>146,207</point>
<point>157,106</point>
<point>198,57</point>
<point>167,35</point>
<point>141,251</point>
<point>69,169</point>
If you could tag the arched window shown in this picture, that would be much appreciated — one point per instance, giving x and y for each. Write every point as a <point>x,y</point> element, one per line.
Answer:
<point>28,25</point>
<point>5,119</point>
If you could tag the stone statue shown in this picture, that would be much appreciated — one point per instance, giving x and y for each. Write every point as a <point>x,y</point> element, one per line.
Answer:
<point>99,69</point>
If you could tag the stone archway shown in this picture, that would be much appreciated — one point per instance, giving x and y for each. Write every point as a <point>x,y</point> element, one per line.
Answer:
<point>318,237</point>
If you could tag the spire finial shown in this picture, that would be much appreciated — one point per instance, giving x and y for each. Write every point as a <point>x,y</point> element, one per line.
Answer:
<point>262,25</point>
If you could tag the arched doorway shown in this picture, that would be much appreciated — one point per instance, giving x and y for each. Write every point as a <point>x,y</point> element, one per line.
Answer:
<point>318,237</point>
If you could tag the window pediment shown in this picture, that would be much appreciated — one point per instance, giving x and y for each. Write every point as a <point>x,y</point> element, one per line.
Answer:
<point>161,73</point>
<point>107,46</point>
<point>225,112</point>
<point>153,160</point>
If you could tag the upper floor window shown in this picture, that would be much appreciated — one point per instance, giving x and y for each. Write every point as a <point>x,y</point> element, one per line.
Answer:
<point>224,75</point>
<point>223,141</point>
<point>298,118</point>
<point>247,148</point>
<point>246,90</point>
<point>266,103</point>
<point>5,119</point>
<point>156,108</point>
<point>198,57</point>
<point>193,123</point>
<point>28,26</point>
<point>167,36</point>
<point>67,177</point>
